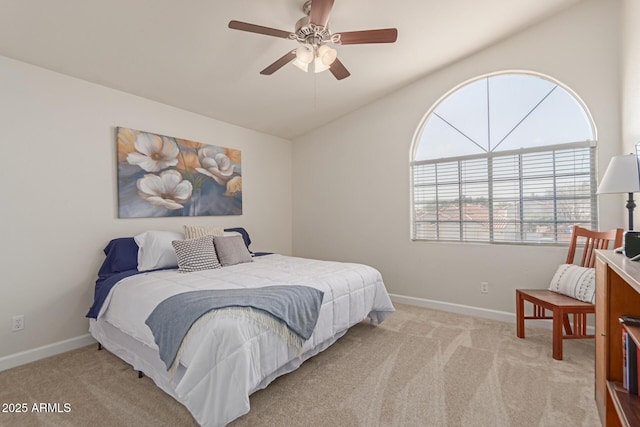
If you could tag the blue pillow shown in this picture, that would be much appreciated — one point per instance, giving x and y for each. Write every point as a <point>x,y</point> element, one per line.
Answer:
<point>122,255</point>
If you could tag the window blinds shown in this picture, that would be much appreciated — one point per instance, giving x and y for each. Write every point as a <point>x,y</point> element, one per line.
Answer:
<point>530,195</point>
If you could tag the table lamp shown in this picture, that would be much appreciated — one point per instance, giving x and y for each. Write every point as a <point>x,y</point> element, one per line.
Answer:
<point>622,176</point>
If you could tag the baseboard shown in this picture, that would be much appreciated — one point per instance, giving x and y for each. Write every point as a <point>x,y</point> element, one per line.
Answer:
<point>502,316</point>
<point>468,310</point>
<point>28,356</point>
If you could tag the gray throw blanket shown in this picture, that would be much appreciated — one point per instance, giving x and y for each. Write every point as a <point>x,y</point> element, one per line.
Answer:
<point>298,307</point>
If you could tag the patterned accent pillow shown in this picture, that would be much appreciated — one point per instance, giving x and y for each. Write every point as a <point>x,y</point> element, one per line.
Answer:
<point>231,250</point>
<point>196,254</point>
<point>575,281</point>
<point>193,231</point>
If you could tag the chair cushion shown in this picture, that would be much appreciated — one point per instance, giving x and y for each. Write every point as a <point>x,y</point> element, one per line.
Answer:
<point>576,282</point>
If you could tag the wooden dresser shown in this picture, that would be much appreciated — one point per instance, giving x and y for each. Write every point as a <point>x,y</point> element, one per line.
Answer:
<point>617,293</point>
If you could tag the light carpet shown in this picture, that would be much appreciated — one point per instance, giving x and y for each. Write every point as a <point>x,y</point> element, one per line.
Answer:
<point>420,367</point>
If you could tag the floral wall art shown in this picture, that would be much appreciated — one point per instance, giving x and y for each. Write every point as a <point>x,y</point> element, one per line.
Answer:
<point>161,176</point>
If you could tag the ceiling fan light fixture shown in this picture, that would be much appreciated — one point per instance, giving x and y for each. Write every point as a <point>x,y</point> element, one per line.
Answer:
<point>313,34</point>
<point>327,55</point>
<point>305,54</point>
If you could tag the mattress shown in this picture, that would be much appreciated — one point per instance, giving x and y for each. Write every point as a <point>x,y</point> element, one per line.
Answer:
<point>224,361</point>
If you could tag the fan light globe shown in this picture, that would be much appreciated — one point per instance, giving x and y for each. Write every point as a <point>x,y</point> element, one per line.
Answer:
<point>303,66</point>
<point>319,66</point>
<point>304,54</point>
<point>327,55</point>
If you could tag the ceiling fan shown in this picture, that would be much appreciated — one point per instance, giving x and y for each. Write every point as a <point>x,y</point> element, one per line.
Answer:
<point>313,33</point>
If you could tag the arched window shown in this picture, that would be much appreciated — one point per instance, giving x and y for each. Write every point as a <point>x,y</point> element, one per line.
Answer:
<point>508,157</point>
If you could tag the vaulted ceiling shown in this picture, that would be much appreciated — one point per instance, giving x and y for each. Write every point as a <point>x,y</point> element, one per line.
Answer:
<point>183,54</point>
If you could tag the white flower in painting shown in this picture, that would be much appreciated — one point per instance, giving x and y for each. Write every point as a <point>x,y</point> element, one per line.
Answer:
<point>154,152</point>
<point>167,190</point>
<point>215,165</point>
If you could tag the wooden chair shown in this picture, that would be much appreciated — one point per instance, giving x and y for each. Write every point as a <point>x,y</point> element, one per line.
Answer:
<point>562,306</point>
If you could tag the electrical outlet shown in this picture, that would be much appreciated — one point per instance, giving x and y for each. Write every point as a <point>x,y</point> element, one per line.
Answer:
<point>484,287</point>
<point>17,323</point>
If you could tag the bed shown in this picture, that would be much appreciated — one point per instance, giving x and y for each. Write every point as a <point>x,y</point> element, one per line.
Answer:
<point>234,351</point>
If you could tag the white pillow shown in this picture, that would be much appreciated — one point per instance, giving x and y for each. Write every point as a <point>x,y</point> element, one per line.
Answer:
<point>575,281</point>
<point>155,249</point>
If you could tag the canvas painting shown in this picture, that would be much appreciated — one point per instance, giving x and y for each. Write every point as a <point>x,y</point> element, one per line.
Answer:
<point>162,176</point>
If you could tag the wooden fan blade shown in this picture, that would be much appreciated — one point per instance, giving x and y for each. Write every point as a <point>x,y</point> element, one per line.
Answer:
<point>252,28</point>
<point>320,11</point>
<point>386,35</point>
<point>338,70</point>
<point>288,57</point>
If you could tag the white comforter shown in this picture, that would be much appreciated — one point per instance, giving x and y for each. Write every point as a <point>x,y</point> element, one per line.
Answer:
<point>222,364</point>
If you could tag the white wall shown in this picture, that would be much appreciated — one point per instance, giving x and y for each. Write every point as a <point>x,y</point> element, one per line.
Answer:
<point>59,193</point>
<point>630,73</point>
<point>630,79</point>
<point>351,177</point>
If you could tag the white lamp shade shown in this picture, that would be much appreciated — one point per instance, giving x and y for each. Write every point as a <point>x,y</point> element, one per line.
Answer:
<point>327,55</point>
<point>304,54</point>
<point>319,66</point>
<point>304,67</point>
<point>621,176</point>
